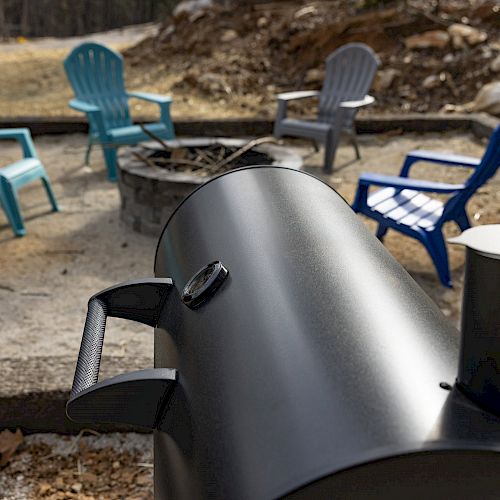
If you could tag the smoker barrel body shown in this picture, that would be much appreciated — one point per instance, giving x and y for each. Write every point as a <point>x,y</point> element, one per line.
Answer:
<point>479,365</point>
<point>316,366</point>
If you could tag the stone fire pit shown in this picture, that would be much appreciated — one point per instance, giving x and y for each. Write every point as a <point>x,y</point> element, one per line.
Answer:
<point>150,192</point>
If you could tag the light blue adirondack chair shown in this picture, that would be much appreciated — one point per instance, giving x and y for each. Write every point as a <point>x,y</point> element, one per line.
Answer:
<point>349,74</point>
<point>402,204</point>
<point>96,75</point>
<point>19,173</point>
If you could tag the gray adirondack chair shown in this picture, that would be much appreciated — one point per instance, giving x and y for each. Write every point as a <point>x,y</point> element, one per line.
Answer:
<point>349,74</point>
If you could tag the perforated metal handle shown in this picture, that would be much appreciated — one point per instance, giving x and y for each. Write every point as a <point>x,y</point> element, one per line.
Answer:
<point>135,398</point>
<point>138,300</point>
<point>89,357</point>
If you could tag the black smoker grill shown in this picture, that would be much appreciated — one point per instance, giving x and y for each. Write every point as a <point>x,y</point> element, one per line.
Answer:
<point>295,357</point>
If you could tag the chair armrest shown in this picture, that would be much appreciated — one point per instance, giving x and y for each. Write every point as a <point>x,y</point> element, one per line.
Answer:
<point>145,96</point>
<point>84,107</point>
<point>448,159</point>
<point>164,102</point>
<point>299,94</point>
<point>368,99</point>
<point>369,179</point>
<point>23,136</point>
<point>284,98</point>
<point>94,111</point>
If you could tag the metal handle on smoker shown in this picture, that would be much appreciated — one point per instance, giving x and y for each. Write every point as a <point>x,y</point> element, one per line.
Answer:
<point>89,357</point>
<point>131,398</point>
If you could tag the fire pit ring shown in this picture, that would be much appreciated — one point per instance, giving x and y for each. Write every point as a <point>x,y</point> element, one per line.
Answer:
<point>149,194</point>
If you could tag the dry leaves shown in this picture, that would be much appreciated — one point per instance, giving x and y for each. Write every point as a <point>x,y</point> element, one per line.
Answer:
<point>80,471</point>
<point>9,442</point>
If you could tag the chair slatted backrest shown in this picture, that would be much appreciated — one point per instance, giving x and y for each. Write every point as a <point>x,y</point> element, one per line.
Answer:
<point>482,173</point>
<point>96,75</point>
<point>349,74</point>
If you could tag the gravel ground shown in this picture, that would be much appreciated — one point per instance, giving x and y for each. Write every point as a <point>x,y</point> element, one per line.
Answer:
<point>83,467</point>
<point>48,276</point>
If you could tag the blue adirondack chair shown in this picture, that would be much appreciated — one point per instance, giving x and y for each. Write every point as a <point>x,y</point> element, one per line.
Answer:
<point>96,75</point>
<point>402,204</point>
<point>19,173</point>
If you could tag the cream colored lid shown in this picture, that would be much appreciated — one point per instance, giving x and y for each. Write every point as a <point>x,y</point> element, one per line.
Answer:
<point>483,239</point>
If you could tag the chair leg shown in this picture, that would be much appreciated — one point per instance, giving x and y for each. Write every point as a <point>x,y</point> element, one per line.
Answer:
<point>381,231</point>
<point>110,158</point>
<point>171,130</point>
<point>315,145</point>
<point>331,144</point>
<point>463,221</point>
<point>354,142</point>
<point>87,153</point>
<point>360,198</point>
<point>276,131</point>
<point>435,245</point>
<point>50,193</point>
<point>12,210</point>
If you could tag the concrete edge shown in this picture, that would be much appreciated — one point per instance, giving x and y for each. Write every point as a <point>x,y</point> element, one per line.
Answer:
<point>34,392</point>
<point>480,124</point>
<point>45,411</point>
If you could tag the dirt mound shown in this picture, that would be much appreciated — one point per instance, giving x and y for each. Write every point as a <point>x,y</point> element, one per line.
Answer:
<point>431,55</point>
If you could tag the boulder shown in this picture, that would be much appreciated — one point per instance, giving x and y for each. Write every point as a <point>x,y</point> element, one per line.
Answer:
<point>488,99</point>
<point>229,36</point>
<point>192,6</point>
<point>495,64</point>
<point>385,78</point>
<point>437,39</point>
<point>463,35</point>
<point>431,82</point>
<point>314,76</point>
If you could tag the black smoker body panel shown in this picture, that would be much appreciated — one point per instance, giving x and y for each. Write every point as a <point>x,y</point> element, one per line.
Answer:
<point>317,355</point>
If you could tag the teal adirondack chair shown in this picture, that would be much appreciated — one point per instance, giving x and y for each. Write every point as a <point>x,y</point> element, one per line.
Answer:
<point>19,173</point>
<point>96,75</point>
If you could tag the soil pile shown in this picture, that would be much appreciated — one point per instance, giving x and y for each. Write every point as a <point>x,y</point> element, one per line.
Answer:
<point>434,55</point>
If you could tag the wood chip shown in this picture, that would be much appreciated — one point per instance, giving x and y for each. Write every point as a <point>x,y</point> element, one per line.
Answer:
<point>9,442</point>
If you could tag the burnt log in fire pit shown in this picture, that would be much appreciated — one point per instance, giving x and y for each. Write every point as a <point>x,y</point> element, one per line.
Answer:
<point>156,176</point>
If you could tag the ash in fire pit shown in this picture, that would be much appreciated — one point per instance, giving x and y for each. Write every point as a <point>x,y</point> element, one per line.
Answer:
<point>156,176</point>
